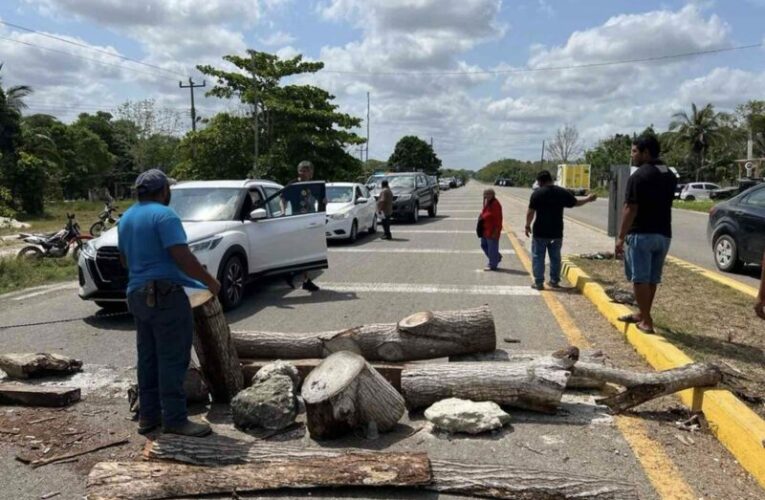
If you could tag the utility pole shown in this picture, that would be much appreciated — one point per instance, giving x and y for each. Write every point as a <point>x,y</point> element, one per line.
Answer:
<point>542,161</point>
<point>191,86</point>
<point>367,160</point>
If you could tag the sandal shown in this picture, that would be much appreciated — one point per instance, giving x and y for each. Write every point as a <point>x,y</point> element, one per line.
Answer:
<point>644,329</point>
<point>628,318</point>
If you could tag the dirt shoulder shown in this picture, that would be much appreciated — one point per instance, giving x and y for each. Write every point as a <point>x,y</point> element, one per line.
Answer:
<point>707,320</point>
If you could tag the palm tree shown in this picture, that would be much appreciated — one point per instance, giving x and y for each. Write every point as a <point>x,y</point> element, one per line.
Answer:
<point>698,131</point>
<point>14,96</point>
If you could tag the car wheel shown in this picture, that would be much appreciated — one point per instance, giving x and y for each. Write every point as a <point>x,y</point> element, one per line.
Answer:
<point>415,217</point>
<point>726,254</point>
<point>690,197</point>
<point>433,210</point>
<point>354,232</point>
<point>96,229</point>
<point>373,227</point>
<point>232,281</point>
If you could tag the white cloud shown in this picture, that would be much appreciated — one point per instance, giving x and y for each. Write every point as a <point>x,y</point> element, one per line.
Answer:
<point>280,38</point>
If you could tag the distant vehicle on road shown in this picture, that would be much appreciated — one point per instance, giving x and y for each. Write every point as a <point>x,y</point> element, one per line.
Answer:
<point>575,178</point>
<point>350,210</point>
<point>736,229</point>
<point>697,191</point>
<point>501,181</point>
<point>443,185</point>
<point>411,193</point>
<point>239,231</point>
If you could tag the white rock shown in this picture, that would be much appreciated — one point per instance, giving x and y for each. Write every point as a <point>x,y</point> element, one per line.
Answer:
<point>462,415</point>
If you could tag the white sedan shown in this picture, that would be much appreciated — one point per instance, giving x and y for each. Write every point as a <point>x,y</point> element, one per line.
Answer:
<point>350,209</point>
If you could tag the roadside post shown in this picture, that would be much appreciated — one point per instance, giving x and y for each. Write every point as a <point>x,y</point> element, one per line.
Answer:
<point>617,187</point>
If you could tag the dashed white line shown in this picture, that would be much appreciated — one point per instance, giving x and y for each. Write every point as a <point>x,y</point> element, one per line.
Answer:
<point>409,250</point>
<point>52,288</point>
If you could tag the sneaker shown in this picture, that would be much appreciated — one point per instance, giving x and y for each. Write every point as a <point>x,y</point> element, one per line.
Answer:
<point>538,286</point>
<point>147,427</point>
<point>310,286</point>
<point>188,428</point>
<point>553,285</point>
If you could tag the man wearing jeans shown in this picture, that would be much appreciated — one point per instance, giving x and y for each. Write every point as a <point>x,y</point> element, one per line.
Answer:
<point>646,226</point>
<point>546,211</point>
<point>154,249</point>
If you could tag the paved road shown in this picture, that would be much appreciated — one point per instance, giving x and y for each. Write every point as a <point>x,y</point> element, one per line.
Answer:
<point>689,229</point>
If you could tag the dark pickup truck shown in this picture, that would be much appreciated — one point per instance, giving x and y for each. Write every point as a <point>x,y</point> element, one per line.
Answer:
<point>411,193</point>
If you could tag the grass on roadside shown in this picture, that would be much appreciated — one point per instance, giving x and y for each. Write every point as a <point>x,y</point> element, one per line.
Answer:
<point>54,217</point>
<point>696,205</point>
<point>17,274</point>
<point>705,319</point>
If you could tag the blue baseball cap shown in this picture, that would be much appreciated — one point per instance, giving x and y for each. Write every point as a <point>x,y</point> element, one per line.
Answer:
<point>151,181</point>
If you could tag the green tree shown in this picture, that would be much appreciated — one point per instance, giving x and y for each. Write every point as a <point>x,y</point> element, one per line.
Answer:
<point>14,96</point>
<point>521,173</point>
<point>697,131</point>
<point>222,150</point>
<point>608,152</point>
<point>11,103</point>
<point>413,154</point>
<point>29,183</point>
<point>294,122</point>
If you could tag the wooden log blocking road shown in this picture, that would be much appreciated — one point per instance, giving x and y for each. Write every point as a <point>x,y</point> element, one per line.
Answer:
<point>423,335</point>
<point>391,372</point>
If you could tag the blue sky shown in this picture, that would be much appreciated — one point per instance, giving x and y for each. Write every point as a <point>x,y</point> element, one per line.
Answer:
<point>473,117</point>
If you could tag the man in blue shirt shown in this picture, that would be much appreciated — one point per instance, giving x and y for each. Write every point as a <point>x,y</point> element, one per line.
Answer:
<point>154,249</point>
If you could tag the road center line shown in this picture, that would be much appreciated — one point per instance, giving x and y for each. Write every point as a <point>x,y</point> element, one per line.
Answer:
<point>65,286</point>
<point>410,250</point>
<point>524,290</point>
<point>432,231</point>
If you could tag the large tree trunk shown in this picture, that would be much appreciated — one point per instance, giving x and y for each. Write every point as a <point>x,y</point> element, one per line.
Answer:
<point>642,387</point>
<point>147,480</point>
<point>574,382</point>
<point>215,349</point>
<point>490,481</point>
<point>423,335</point>
<point>344,392</point>
<point>391,372</point>
<point>536,384</point>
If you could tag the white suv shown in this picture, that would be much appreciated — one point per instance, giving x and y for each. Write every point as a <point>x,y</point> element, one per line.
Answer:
<point>239,230</point>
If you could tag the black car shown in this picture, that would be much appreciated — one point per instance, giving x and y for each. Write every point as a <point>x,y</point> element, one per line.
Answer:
<point>736,229</point>
<point>411,193</point>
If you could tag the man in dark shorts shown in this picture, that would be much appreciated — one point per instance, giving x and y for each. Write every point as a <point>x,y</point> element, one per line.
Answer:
<point>301,202</point>
<point>646,226</point>
<point>546,211</point>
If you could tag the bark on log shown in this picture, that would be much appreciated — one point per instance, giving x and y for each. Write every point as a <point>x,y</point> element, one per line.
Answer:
<point>145,481</point>
<point>491,481</point>
<point>575,381</point>
<point>423,335</point>
<point>215,348</point>
<point>537,384</point>
<point>37,395</point>
<point>642,387</point>
<point>344,392</point>
<point>41,364</point>
<point>390,372</point>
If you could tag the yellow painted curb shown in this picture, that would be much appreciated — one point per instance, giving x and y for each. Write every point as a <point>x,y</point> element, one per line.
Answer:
<point>734,424</point>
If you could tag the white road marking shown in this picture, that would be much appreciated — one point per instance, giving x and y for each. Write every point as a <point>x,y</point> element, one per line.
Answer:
<point>432,231</point>
<point>521,290</point>
<point>459,212</point>
<point>459,218</point>
<point>408,250</point>
<point>51,288</point>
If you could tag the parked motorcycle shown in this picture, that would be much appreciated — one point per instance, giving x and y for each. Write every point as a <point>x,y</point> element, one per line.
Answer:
<point>54,245</point>
<point>106,220</point>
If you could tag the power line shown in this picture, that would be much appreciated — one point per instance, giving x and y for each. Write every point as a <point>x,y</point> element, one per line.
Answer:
<point>78,56</point>
<point>550,68</point>
<point>89,47</point>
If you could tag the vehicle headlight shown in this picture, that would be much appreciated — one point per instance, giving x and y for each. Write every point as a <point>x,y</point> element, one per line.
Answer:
<point>340,215</point>
<point>205,245</point>
<point>404,197</point>
<point>88,250</point>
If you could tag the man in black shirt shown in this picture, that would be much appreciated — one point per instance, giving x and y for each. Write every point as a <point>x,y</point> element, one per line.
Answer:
<point>646,226</point>
<point>546,210</point>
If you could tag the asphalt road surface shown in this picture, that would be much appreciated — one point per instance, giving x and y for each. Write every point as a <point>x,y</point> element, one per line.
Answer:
<point>689,231</point>
<point>433,265</point>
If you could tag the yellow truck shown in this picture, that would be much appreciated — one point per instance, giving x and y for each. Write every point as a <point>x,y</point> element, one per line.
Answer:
<point>575,178</point>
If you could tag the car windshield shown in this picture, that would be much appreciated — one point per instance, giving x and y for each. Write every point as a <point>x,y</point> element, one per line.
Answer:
<point>339,194</point>
<point>401,181</point>
<point>205,204</point>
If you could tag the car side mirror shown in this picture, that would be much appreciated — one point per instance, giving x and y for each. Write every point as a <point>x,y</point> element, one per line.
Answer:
<point>258,214</point>
<point>361,201</point>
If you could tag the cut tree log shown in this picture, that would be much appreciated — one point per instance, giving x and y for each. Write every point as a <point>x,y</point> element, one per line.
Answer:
<point>38,395</point>
<point>344,392</point>
<point>423,335</point>
<point>215,348</point>
<point>151,480</point>
<point>390,372</point>
<point>490,481</point>
<point>642,387</point>
<point>574,382</point>
<point>536,384</point>
<point>41,364</point>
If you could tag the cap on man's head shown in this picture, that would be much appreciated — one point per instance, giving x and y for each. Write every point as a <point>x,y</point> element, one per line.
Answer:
<point>152,181</point>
